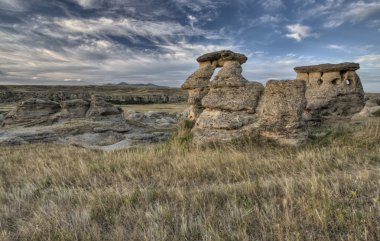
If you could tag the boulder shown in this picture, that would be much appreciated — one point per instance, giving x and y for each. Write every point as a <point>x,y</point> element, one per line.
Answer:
<point>372,103</point>
<point>32,112</point>
<point>102,110</point>
<point>371,109</point>
<point>234,98</point>
<point>280,110</point>
<point>74,108</point>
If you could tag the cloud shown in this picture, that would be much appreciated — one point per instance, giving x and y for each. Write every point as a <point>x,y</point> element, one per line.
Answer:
<point>334,13</point>
<point>369,61</point>
<point>299,32</point>
<point>64,50</point>
<point>72,80</point>
<point>272,4</point>
<point>12,5</point>
<point>353,13</point>
<point>129,27</point>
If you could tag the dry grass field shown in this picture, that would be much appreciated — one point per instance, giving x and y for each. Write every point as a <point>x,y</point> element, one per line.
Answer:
<point>251,190</point>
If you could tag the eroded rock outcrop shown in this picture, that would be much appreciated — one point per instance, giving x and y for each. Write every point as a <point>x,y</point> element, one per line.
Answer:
<point>32,111</point>
<point>76,108</point>
<point>96,125</point>
<point>371,109</point>
<point>333,90</point>
<point>198,86</point>
<point>279,114</point>
<point>230,104</point>
<point>100,109</point>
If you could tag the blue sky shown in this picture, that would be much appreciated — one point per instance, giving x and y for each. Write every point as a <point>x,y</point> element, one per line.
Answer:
<point>155,41</point>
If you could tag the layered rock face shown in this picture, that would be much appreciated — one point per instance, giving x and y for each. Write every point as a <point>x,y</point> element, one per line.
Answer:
<point>230,104</point>
<point>333,90</point>
<point>32,111</point>
<point>36,111</point>
<point>100,109</point>
<point>76,108</point>
<point>279,114</point>
<point>197,86</point>
<point>95,124</point>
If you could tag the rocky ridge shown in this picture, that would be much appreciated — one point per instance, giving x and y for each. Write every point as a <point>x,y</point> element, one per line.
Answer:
<point>96,124</point>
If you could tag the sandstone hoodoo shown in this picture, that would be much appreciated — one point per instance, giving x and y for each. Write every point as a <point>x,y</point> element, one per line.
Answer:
<point>230,104</point>
<point>230,107</point>
<point>333,91</point>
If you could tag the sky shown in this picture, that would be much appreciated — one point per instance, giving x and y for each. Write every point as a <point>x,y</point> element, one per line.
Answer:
<point>155,41</point>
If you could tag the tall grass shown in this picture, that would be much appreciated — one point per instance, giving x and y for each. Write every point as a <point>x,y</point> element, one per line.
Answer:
<point>325,190</point>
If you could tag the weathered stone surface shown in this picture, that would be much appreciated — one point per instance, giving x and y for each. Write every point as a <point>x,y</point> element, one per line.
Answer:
<point>100,109</point>
<point>196,96</point>
<point>371,109</point>
<point>332,94</point>
<point>229,76</point>
<point>149,137</point>
<point>222,56</point>
<point>366,112</point>
<point>114,94</point>
<point>153,119</point>
<point>1,119</point>
<point>194,112</point>
<point>206,136</point>
<point>95,139</point>
<point>327,68</point>
<point>220,119</point>
<point>201,77</point>
<point>280,111</point>
<point>234,98</point>
<point>371,103</point>
<point>32,111</point>
<point>74,108</point>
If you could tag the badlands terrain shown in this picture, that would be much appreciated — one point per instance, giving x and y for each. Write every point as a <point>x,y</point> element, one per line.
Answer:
<point>291,160</point>
<point>327,189</point>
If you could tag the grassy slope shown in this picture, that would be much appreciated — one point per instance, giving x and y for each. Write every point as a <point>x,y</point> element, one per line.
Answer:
<point>326,190</point>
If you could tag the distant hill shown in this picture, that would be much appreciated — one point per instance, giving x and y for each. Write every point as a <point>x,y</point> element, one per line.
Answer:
<point>149,85</point>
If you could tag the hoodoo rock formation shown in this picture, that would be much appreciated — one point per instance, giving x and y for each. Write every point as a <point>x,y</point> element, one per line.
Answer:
<point>230,104</point>
<point>230,107</point>
<point>198,84</point>
<point>333,90</point>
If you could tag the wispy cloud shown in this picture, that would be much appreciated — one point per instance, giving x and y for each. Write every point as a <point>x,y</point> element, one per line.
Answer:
<point>353,13</point>
<point>299,32</point>
<point>13,5</point>
<point>272,4</point>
